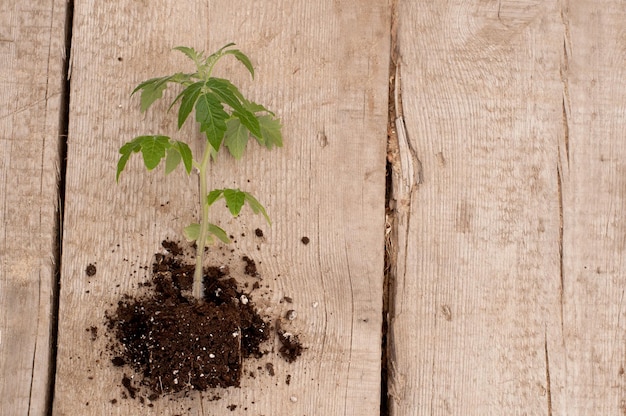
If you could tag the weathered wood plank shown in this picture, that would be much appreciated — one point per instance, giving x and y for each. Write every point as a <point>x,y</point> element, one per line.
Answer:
<point>477,292</point>
<point>591,379</point>
<point>31,50</point>
<point>322,66</point>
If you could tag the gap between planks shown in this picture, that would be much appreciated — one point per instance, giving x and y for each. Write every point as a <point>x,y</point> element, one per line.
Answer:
<point>64,121</point>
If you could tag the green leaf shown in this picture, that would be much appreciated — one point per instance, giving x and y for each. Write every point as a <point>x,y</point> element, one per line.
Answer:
<point>189,98</point>
<point>250,121</point>
<point>213,196</point>
<point>153,149</point>
<point>229,94</point>
<point>214,57</point>
<point>236,137</point>
<point>172,160</point>
<point>190,52</point>
<point>121,164</point>
<point>225,90</point>
<point>151,90</point>
<point>212,118</point>
<point>219,233</point>
<point>185,153</point>
<point>234,200</point>
<point>217,54</point>
<point>192,232</point>
<point>256,107</point>
<point>241,57</point>
<point>271,131</point>
<point>126,150</point>
<point>256,206</point>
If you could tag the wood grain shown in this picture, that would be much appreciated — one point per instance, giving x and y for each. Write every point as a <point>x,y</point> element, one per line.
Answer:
<point>322,66</point>
<point>476,304</point>
<point>31,50</point>
<point>510,298</point>
<point>593,176</point>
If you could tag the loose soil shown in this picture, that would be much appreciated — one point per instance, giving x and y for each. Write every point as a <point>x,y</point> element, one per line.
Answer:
<point>172,342</point>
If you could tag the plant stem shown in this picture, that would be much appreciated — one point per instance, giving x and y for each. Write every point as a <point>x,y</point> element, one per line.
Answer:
<point>198,285</point>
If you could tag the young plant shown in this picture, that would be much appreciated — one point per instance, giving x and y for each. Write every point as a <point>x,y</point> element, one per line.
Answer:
<point>226,118</point>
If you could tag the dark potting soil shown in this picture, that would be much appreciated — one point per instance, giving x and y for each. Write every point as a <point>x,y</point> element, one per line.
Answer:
<point>173,343</point>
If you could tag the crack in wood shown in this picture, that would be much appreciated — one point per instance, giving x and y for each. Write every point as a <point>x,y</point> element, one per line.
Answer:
<point>564,74</point>
<point>390,255</point>
<point>404,175</point>
<point>58,229</point>
<point>561,262</point>
<point>548,382</point>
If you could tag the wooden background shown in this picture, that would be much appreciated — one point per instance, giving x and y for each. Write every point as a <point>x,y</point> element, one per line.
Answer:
<point>505,236</point>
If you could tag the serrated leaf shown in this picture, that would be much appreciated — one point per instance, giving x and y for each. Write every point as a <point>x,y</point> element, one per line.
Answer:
<point>151,147</point>
<point>229,94</point>
<point>151,90</point>
<point>234,200</point>
<point>225,90</point>
<point>236,137</point>
<point>212,118</point>
<point>189,98</point>
<point>219,233</point>
<point>241,57</point>
<point>250,121</point>
<point>256,107</point>
<point>213,196</point>
<point>256,206</point>
<point>271,131</point>
<point>132,146</point>
<point>172,160</point>
<point>185,154</point>
<point>190,52</point>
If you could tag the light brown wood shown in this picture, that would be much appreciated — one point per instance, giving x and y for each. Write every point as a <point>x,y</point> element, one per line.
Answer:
<point>593,170</point>
<point>31,52</point>
<point>510,282</point>
<point>322,66</point>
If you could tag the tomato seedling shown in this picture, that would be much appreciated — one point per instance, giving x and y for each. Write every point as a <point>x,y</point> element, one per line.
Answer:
<point>226,118</point>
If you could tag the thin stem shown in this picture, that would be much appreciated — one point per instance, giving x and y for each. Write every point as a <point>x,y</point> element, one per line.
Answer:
<point>198,285</point>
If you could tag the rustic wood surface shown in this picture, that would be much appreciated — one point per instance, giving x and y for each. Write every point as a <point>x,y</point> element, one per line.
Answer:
<point>506,238</point>
<point>322,66</point>
<point>509,291</point>
<point>31,52</point>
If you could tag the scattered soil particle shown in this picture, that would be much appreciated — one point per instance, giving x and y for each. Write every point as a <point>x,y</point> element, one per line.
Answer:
<point>93,332</point>
<point>118,361</point>
<point>174,342</point>
<point>172,247</point>
<point>126,382</point>
<point>291,347</point>
<point>231,407</point>
<point>90,270</point>
<point>305,240</point>
<point>250,269</point>
<point>288,379</point>
<point>258,232</point>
